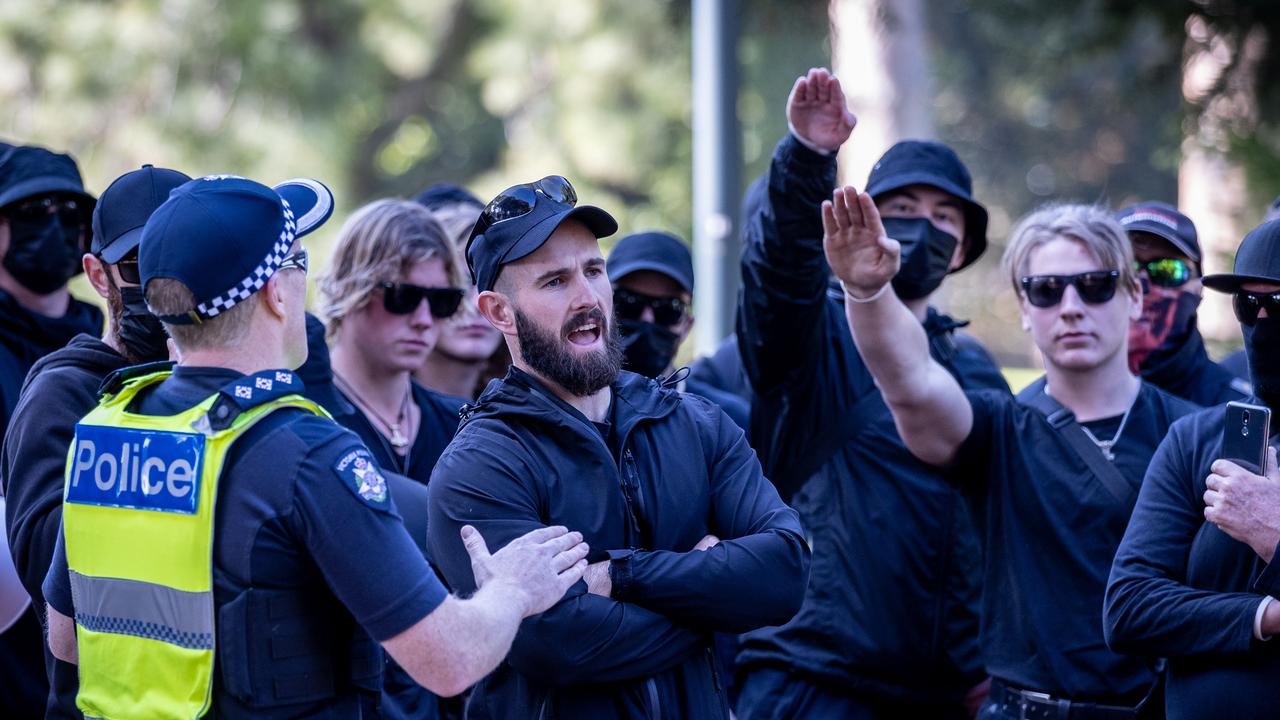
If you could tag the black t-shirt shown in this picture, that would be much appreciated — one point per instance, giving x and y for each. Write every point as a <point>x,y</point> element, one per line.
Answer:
<point>1051,530</point>
<point>290,518</point>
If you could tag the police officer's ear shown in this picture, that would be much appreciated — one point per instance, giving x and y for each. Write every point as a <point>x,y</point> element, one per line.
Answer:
<point>97,271</point>
<point>496,307</point>
<point>274,296</point>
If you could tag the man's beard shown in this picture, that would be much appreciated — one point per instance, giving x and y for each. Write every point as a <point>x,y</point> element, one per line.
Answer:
<point>549,356</point>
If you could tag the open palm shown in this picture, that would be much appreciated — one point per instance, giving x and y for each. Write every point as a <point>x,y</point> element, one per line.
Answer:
<point>857,249</point>
<point>817,112</point>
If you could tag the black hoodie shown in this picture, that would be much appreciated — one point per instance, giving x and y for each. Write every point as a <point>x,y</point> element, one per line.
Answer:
<point>60,389</point>
<point>25,337</point>
<point>671,468</point>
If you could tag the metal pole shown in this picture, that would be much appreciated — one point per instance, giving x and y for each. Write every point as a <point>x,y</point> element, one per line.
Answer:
<point>716,169</point>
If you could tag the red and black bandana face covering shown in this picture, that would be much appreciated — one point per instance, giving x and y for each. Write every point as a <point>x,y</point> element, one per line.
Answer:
<point>1167,318</point>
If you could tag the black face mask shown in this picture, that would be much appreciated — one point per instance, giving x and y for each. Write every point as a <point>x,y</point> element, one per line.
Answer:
<point>1262,345</point>
<point>43,254</point>
<point>647,349</point>
<point>140,332</point>
<point>926,256</point>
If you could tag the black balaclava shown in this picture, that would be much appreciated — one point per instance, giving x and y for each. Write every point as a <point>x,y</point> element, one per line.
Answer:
<point>647,348</point>
<point>926,255</point>
<point>1262,345</point>
<point>43,254</point>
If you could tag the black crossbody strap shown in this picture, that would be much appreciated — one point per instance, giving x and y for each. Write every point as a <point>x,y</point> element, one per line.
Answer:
<point>1064,421</point>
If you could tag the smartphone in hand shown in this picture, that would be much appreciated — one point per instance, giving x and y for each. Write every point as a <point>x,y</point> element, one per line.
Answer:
<point>1244,436</point>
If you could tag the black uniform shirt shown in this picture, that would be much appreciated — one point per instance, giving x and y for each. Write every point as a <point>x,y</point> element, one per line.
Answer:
<point>1051,530</point>
<point>288,519</point>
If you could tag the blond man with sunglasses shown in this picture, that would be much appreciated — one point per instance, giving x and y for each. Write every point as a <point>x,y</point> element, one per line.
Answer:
<point>1054,472</point>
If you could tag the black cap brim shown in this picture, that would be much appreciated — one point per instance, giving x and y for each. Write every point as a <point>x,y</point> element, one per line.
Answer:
<point>121,246</point>
<point>1166,234</point>
<point>1231,282</point>
<point>600,223</point>
<point>45,185</point>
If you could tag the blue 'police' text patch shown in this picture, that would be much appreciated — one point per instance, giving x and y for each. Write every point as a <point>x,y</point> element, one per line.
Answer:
<point>140,469</point>
<point>358,470</point>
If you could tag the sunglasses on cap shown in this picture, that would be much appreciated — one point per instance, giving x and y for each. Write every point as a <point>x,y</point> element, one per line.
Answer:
<point>1166,272</point>
<point>403,298</point>
<point>1248,304</point>
<point>520,200</point>
<point>1095,288</point>
<point>630,305</point>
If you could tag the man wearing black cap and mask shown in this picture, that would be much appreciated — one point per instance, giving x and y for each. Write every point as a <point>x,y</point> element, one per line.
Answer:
<point>1203,594</point>
<point>688,538</point>
<point>652,276</point>
<point>63,386</point>
<point>1165,346</point>
<point>44,213</point>
<point>894,634</point>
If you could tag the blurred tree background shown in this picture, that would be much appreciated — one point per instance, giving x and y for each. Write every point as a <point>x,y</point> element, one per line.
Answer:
<point>1099,100</point>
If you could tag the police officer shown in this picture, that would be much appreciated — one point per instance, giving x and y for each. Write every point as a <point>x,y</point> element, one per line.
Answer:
<point>1203,594</point>
<point>305,563</point>
<point>1055,473</point>
<point>1165,346</point>
<point>894,634</point>
<point>689,538</point>
<point>652,276</point>
<point>44,214</point>
<point>63,386</point>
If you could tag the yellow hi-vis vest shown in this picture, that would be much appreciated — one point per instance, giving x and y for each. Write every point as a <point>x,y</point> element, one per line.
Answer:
<point>138,527</point>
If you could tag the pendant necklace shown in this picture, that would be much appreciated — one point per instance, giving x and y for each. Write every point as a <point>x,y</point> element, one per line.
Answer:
<point>397,439</point>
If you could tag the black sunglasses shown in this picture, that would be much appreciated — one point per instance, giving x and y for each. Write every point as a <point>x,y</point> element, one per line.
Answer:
<point>66,208</point>
<point>630,306</point>
<point>1094,288</point>
<point>403,298</point>
<point>127,266</point>
<point>1166,272</point>
<point>1248,304</point>
<point>520,200</point>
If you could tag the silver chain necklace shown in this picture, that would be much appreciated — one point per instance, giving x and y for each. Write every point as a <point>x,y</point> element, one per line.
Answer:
<point>1106,445</point>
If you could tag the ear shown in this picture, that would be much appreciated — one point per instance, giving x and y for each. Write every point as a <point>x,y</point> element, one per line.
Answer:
<point>273,297</point>
<point>96,271</point>
<point>687,328</point>
<point>1135,307</point>
<point>496,307</point>
<point>1023,312</point>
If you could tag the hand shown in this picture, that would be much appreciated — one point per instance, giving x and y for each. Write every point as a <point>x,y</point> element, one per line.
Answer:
<point>707,543</point>
<point>599,582</point>
<point>538,566</point>
<point>976,696</point>
<point>816,110</point>
<point>1244,505</point>
<point>858,251</point>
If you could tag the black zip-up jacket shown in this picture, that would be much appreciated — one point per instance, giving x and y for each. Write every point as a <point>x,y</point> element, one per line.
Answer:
<point>1187,372</point>
<point>1182,589</point>
<point>61,388</point>
<point>25,337</point>
<point>892,603</point>
<point>671,469</point>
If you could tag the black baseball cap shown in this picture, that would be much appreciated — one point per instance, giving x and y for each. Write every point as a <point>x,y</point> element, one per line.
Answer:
<point>1257,260</point>
<point>124,207</point>
<point>925,162</point>
<point>441,195</point>
<point>657,251</point>
<point>224,236</point>
<point>509,240</point>
<point>1162,220</point>
<point>27,171</point>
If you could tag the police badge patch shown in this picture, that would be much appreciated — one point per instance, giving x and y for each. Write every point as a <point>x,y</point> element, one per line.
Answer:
<point>360,473</point>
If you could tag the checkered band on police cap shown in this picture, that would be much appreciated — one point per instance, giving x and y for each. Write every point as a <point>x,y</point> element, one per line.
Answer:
<point>256,279</point>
